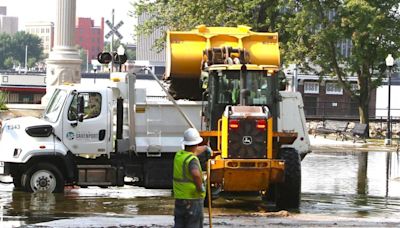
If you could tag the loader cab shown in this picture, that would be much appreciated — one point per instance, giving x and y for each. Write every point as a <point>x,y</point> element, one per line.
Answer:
<point>225,87</point>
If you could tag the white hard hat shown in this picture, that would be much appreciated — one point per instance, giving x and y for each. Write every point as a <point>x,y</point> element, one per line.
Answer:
<point>191,137</point>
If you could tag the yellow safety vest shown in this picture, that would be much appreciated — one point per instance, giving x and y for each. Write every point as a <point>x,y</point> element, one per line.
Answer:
<point>183,183</point>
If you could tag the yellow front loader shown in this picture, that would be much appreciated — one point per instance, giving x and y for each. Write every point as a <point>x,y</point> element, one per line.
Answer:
<point>234,71</point>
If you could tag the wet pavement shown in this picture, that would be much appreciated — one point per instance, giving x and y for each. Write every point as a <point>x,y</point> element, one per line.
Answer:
<point>345,185</point>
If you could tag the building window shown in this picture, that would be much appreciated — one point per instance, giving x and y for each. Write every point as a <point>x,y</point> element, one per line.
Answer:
<point>333,88</point>
<point>5,79</point>
<point>311,87</point>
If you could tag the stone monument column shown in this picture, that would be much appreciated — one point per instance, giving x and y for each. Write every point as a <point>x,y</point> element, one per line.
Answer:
<point>64,63</point>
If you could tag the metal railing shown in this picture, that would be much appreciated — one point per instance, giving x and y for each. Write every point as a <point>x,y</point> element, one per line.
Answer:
<point>344,111</point>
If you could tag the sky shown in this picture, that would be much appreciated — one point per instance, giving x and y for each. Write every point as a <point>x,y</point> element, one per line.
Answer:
<point>45,10</point>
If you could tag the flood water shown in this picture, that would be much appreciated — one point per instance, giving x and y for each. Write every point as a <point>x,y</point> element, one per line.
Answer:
<point>356,184</point>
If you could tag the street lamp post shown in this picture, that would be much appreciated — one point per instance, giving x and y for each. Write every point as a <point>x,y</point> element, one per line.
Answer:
<point>87,60</point>
<point>389,64</point>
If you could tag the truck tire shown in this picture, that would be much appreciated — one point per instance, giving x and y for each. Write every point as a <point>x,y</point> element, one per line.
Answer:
<point>43,177</point>
<point>288,193</point>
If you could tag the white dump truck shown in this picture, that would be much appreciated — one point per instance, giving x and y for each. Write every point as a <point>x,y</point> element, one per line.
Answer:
<point>97,135</point>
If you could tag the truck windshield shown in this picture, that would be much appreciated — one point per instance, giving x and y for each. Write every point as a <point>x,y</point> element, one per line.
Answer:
<point>257,82</point>
<point>55,105</point>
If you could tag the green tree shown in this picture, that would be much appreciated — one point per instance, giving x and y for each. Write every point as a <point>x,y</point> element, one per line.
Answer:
<point>32,62</point>
<point>14,46</point>
<point>116,44</point>
<point>5,48</point>
<point>131,54</point>
<point>3,100</point>
<point>261,15</point>
<point>318,28</point>
<point>9,63</point>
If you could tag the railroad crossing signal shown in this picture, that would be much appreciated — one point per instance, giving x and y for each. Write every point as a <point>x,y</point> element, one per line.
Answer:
<point>114,29</point>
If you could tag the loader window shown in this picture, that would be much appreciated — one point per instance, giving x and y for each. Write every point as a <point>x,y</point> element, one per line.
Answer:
<point>260,91</point>
<point>92,107</point>
<point>257,83</point>
<point>229,88</point>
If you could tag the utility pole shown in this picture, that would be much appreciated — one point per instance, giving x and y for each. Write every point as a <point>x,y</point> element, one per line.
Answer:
<point>113,31</point>
<point>87,60</point>
<point>112,39</point>
<point>295,78</point>
<point>26,59</point>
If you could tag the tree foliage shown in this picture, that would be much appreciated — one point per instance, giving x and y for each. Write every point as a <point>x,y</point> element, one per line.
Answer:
<point>12,47</point>
<point>261,15</point>
<point>319,27</point>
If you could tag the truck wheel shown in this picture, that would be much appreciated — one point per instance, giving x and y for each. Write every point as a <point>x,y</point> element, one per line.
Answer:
<point>43,178</point>
<point>288,192</point>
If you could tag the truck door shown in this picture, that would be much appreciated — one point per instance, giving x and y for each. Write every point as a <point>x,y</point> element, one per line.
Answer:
<point>89,137</point>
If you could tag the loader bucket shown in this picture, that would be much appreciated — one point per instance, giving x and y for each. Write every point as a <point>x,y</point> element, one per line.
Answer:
<point>185,49</point>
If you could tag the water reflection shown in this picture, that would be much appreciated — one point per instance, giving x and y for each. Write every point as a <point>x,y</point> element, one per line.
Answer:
<point>352,173</point>
<point>343,184</point>
<point>362,178</point>
<point>351,184</point>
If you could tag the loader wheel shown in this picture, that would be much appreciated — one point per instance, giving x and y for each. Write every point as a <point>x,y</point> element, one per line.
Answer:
<point>43,177</point>
<point>288,192</point>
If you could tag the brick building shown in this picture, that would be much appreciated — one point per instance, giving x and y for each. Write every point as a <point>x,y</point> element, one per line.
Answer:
<point>323,97</point>
<point>90,37</point>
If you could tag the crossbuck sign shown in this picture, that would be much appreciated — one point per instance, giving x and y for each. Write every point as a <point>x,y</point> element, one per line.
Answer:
<point>114,29</point>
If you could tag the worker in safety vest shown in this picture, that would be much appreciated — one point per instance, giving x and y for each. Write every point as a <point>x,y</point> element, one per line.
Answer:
<point>188,184</point>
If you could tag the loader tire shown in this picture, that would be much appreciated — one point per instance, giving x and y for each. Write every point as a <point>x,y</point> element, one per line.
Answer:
<point>288,193</point>
<point>43,177</point>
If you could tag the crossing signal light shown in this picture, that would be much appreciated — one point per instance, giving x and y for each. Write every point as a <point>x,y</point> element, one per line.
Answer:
<point>119,59</point>
<point>104,57</point>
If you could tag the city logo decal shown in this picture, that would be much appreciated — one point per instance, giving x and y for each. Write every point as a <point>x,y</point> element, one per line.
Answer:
<point>70,135</point>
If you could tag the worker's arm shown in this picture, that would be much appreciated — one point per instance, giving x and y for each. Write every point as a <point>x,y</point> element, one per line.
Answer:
<point>197,175</point>
<point>202,149</point>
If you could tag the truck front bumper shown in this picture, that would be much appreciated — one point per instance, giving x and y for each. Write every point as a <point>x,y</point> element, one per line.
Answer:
<point>246,174</point>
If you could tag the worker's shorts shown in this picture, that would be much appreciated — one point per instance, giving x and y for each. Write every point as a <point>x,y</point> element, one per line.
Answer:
<point>188,213</point>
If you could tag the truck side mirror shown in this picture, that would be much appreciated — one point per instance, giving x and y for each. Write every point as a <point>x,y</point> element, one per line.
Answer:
<point>80,108</point>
